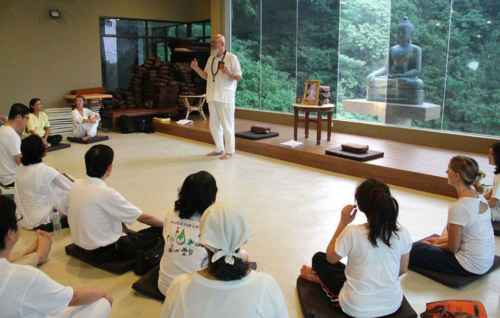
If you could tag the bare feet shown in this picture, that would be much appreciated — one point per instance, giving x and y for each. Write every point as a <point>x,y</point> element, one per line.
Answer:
<point>244,255</point>
<point>33,247</point>
<point>86,138</point>
<point>44,245</point>
<point>214,153</point>
<point>308,273</point>
<point>97,136</point>
<point>226,156</point>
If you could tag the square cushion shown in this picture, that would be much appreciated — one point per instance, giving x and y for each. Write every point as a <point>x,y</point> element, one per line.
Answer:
<point>118,267</point>
<point>451,280</point>
<point>58,147</point>
<point>315,303</point>
<point>148,284</point>
<point>253,136</point>
<point>369,155</point>
<point>496,228</point>
<point>88,141</point>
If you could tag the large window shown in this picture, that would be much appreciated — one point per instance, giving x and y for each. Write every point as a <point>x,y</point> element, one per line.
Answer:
<point>281,43</point>
<point>126,43</point>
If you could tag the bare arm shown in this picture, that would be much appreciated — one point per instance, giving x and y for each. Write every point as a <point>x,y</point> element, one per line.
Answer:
<point>202,73</point>
<point>345,219</point>
<point>84,296</point>
<point>450,243</point>
<point>405,260</point>
<point>17,159</point>
<point>150,220</point>
<point>47,133</point>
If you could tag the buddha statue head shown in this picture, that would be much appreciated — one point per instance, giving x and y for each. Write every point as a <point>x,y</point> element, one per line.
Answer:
<point>405,32</point>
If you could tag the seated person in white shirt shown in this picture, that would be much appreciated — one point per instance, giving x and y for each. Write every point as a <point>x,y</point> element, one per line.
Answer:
<point>28,292</point>
<point>96,214</point>
<point>85,121</point>
<point>227,287</point>
<point>39,188</point>
<point>181,229</point>
<point>10,143</point>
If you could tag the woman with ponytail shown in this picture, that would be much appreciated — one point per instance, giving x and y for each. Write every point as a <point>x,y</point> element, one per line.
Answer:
<point>377,252</point>
<point>493,196</point>
<point>467,245</point>
<point>227,287</point>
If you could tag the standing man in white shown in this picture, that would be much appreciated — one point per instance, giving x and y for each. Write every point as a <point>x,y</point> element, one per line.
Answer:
<point>222,74</point>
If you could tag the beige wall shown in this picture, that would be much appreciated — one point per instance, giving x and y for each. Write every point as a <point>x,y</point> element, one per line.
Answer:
<point>46,58</point>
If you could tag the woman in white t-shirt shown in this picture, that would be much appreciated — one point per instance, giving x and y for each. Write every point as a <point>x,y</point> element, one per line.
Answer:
<point>377,252</point>
<point>467,245</point>
<point>85,121</point>
<point>39,188</point>
<point>227,287</point>
<point>181,229</point>
<point>493,196</point>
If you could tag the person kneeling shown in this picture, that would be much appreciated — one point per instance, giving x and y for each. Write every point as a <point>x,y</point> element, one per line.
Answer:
<point>28,292</point>
<point>97,212</point>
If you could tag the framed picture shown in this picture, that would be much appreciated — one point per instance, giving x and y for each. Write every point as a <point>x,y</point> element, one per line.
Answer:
<point>311,92</point>
<point>298,100</point>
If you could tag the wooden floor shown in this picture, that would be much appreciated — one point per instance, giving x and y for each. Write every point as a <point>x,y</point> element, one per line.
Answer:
<point>404,164</point>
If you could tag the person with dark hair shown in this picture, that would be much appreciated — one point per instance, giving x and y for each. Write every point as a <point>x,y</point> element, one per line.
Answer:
<point>85,121</point>
<point>227,282</point>
<point>181,229</point>
<point>377,251</point>
<point>28,292</point>
<point>493,195</point>
<point>467,244</point>
<point>3,119</point>
<point>96,214</point>
<point>39,124</point>
<point>39,188</point>
<point>10,143</point>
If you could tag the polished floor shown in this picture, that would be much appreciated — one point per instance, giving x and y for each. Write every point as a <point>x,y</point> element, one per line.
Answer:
<point>293,209</point>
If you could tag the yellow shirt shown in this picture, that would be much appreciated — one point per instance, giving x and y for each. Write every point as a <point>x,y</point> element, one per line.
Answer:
<point>37,124</point>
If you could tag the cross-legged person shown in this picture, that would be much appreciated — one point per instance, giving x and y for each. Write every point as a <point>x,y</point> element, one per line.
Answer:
<point>39,188</point>
<point>96,214</point>
<point>493,195</point>
<point>222,74</point>
<point>377,254</point>
<point>85,121</point>
<point>28,292</point>
<point>10,143</point>
<point>39,124</point>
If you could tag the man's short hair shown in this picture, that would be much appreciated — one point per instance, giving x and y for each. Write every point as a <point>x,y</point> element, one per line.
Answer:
<point>8,219</point>
<point>32,149</point>
<point>98,159</point>
<point>18,109</point>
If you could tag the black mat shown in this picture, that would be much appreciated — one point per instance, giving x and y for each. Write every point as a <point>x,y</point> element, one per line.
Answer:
<point>496,228</point>
<point>253,136</point>
<point>118,267</point>
<point>370,155</point>
<point>315,303</point>
<point>88,141</point>
<point>451,280</point>
<point>58,147</point>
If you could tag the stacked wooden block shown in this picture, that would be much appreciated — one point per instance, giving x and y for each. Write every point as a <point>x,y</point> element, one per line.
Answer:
<point>324,95</point>
<point>184,76</point>
<point>116,102</point>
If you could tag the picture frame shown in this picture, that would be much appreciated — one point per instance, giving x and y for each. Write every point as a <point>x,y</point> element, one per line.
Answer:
<point>298,100</point>
<point>311,92</point>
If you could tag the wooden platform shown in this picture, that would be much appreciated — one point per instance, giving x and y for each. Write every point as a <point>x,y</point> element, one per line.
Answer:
<point>404,164</point>
<point>113,114</point>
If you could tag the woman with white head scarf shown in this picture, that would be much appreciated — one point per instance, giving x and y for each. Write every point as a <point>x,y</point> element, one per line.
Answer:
<point>227,280</point>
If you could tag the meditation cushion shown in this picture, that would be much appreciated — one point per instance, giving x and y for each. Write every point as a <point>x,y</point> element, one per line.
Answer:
<point>88,141</point>
<point>256,136</point>
<point>315,303</point>
<point>451,280</point>
<point>355,148</point>
<point>58,147</point>
<point>496,228</point>
<point>118,267</point>
<point>369,155</point>
<point>148,284</point>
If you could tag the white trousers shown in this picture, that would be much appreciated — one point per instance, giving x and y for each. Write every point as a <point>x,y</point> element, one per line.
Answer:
<point>98,309</point>
<point>87,129</point>
<point>222,125</point>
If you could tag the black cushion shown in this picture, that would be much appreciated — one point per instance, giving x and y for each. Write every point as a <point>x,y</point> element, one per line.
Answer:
<point>315,303</point>
<point>58,147</point>
<point>118,267</point>
<point>496,228</point>
<point>88,141</point>
<point>369,155</point>
<point>253,136</point>
<point>148,284</point>
<point>451,280</point>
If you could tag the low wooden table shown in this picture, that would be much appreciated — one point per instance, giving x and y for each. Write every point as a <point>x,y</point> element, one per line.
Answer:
<point>113,114</point>
<point>89,97</point>
<point>196,108</point>
<point>327,108</point>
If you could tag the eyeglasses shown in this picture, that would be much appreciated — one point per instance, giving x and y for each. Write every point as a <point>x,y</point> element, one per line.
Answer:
<point>19,217</point>
<point>27,117</point>
<point>215,42</point>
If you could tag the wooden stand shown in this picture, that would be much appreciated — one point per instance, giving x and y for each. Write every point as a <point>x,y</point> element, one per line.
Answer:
<point>197,108</point>
<point>328,108</point>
